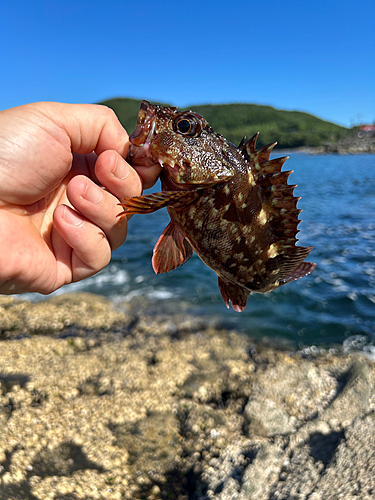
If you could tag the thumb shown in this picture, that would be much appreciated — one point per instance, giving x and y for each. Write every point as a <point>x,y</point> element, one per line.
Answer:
<point>89,127</point>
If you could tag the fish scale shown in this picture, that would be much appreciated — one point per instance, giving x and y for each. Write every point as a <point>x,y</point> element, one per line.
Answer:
<point>232,206</point>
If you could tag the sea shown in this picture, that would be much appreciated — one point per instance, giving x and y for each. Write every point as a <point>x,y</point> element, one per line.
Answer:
<point>332,308</point>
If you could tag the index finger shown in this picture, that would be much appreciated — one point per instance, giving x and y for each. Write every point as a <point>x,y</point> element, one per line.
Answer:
<point>89,127</point>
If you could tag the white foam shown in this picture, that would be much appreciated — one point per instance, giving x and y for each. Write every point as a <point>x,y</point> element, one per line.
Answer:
<point>139,279</point>
<point>150,294</point>
<point>369,352</point>
<point>160,294</point>
<point>120,277</point>
<point>352,296</point>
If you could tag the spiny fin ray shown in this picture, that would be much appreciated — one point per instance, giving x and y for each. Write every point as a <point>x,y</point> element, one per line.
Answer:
<point>152,202</point>
<point>292,268</point>
<point>279,201</point>
<point>280,205</point>
<point>300,271</point>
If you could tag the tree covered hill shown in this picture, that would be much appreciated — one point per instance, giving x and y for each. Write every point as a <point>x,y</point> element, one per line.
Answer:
<point>290,129</point>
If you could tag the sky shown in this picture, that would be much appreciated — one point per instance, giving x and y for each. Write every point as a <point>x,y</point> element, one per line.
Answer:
<point>313,56</point>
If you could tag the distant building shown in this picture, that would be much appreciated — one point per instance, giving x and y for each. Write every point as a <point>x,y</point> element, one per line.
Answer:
<point>366,131</point>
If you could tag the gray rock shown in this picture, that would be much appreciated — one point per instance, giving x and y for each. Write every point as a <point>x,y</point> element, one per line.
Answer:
<point>351,145</point>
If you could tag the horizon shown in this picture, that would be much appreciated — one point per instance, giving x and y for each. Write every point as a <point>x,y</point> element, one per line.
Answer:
<point>312,58</point>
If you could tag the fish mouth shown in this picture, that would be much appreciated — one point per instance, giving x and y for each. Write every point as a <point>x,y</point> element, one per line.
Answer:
<point>145,125</point>
<point>139,154</point>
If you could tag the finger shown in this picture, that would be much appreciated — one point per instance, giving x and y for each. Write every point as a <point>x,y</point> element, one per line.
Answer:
<point>90,252</point>
<point>149,175</point>
<point>85,165</point>
<point>100,207</point>
<point>117,176</point>
<point>89,127</point>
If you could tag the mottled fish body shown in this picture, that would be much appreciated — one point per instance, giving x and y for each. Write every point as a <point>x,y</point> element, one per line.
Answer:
<point>232,206</point>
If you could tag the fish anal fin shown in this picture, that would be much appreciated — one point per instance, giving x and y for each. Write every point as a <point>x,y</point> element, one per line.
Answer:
<point>171,250</point>
<point>155,201</point>
<point>234,293</point>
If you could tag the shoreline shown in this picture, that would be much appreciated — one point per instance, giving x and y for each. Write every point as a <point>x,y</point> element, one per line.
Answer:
<point>68,313</point>
<point>348,146</point>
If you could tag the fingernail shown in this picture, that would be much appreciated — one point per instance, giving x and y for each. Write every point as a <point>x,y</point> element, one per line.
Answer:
<point>93,194</point>
<point>72,217</point>
<point>121,169</point>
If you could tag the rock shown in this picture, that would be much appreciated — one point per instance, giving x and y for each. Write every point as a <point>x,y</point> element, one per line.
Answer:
<point>82,310</point>
<point>170,408</point>
<point>349,146</point>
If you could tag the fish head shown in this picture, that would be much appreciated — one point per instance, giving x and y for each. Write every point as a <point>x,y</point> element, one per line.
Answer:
<point>183,143</point>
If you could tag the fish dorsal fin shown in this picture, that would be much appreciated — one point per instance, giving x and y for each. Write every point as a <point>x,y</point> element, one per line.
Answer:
<point>279,202</point>
<point>171,250</point>
<point>257,156</point>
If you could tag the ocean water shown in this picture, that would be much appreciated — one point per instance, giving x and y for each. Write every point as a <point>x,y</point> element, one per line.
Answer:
<point>335,305</point>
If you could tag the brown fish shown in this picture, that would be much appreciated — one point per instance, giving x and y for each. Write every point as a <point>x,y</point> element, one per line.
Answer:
<point>233,206</point>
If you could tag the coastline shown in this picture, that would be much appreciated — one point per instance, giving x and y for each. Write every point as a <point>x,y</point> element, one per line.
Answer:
<point>98,402</point>
<point>349,146</point>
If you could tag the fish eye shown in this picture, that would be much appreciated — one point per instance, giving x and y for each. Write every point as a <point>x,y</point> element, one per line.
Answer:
<point>187,124</point>
<point>183,126</point>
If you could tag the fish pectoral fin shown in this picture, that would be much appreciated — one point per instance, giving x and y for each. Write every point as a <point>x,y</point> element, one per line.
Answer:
<point>234,293</point>
<point>171,250</point>
<point>155,201</point>
<point>149,203</point>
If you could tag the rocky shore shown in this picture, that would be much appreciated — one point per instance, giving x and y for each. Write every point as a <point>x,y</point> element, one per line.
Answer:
<point>98,403</point>
<point>349,146</point>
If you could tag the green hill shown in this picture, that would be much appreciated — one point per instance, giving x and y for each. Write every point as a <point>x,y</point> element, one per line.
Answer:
<point>290,129</point>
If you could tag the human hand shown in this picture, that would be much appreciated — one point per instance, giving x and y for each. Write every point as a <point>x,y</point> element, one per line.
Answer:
<point>57,225</point>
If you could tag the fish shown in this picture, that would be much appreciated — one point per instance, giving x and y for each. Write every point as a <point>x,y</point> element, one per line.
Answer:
<point>232,205</point>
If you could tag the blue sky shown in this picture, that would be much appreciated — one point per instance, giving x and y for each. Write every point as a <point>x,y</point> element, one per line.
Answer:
<point>314,56</point>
